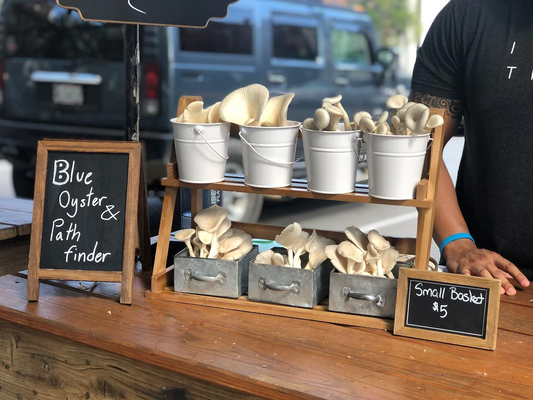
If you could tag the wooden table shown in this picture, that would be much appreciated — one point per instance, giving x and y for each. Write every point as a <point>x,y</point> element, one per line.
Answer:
<point>15,229</point>
<point>78,345</point>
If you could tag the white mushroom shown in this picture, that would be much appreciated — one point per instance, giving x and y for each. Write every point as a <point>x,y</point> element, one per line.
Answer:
<point>384,117</point>
<point>382,129</point>
<point>275,112</point>
<point>321,119</point>
<point>240,251</point>
<point>397,101</point>
<point>367,125</point>
<point>211,218</point>
<point>378,241</point>
<point>244,104</point>
<point>185,236</point>
<point>317,251</point>
<point>388,261</point>
<point>360,115</point>
<point>335,116</point>
<point>417,117</point>
<point>338,261</point>
<point>213,113</point>
<point>396,121</point>
<point>357,237</point>
<point>278,259</point>
<point>435,121</point>
<point>299,249</point>
<point>336,101</point>
<point>195,113</point>
<point>289,237</point>
<point>265,257</point>
<point>352,254</point>
<point>309,123</point>
<point>230,244</point>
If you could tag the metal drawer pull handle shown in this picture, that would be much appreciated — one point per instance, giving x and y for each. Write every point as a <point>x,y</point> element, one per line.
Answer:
<point>347,294</point>
<point>293,287</point>
<point>191,275</point>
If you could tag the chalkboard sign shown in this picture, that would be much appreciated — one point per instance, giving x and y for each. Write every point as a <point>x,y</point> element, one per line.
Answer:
<point>184,13</point>
<point>85,213</point>
<point>448,308</point>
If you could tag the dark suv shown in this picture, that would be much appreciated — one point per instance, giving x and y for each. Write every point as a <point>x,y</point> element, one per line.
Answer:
<point>62,77</point>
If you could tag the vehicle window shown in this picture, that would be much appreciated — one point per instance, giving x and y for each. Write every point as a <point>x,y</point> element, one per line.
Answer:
<point>218,37</point>
<point>42,29</point>
<point>295,42</point>
<point>350,47</point>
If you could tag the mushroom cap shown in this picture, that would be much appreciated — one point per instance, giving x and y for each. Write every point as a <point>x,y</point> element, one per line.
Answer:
<point>309,123</point>
<point>290,235</point>
<point>265,257</point>
<point>350,251</point>
<point>388,259</point>
<point>360,115</point>
<point>333,100</point>
<point>300,244</point>
<point>205,237</point>
<point>317,250</point>
<point>244,104</point>
<point>184,234</point>
<point>210,219</point>
<point>382,129</point>
<point>321,119</point>
<point>339,262</point>
<point>359,268</point>
<point>333,110</point>
<point>224,236</point>
<point>357,237</point>
<point>230,244</point>
<point>213,115</point>
<point>379,242</point>
<point>435,121</point>
<point>195,113</point>
<point>396,121</point>
<point>417,117</point>
<point>224,226</point>
<point>397,101</point>
<point>310,240</point>
<point>239,252</point>
<point>367,125</point>
<point>275,112</point>
<point>383,118</point>
<point>279,259</point>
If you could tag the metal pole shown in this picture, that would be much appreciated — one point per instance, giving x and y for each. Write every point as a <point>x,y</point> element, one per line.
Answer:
<point>132,60</point>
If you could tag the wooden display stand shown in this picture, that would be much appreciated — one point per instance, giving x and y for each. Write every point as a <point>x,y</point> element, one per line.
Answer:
<point>424,202</point>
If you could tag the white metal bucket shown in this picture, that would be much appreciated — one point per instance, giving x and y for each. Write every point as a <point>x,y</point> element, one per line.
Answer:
<point>330,160</point>
<point>395,164</point>
<point>201,151</point>
<point>268,155</point>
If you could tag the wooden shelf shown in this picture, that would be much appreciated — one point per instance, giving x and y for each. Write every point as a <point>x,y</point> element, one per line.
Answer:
<point>235,183</point>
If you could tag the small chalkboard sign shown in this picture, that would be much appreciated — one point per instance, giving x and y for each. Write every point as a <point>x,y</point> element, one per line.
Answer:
<point>85,213</point>
<point>184,13</point>
<point>447,308</point>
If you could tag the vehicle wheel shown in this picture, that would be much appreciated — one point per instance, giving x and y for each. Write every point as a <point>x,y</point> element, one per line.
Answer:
<point>242,207</point>
<point>23,182</point>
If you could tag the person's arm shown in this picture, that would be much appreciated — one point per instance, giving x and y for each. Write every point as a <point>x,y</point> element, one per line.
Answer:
<point>462,255</point>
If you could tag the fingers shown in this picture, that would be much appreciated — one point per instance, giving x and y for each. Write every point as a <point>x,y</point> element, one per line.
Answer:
<point>509,268</point>
<point>492,272</point>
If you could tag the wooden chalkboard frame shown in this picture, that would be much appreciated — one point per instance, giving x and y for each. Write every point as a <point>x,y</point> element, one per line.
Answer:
<point>493,286</point>
<point>131,231</point>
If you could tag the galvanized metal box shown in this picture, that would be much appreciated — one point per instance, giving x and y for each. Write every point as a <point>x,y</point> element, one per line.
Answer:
<point>289,286</point>
<point>363,295</point>
<point>212,277</point>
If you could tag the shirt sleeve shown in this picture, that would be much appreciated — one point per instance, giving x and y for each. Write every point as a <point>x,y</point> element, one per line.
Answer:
<point>439,65</point>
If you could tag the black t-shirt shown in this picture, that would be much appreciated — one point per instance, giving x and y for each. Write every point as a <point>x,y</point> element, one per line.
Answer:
<point>481,51</point>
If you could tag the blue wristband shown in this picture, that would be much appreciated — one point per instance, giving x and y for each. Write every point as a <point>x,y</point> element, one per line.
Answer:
<point>455,237</point>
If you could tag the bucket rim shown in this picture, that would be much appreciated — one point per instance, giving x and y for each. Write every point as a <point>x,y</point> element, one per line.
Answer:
<point>399,136</point>
<point>332,132</point>
<point>295,125</point>
<point>176,122</point>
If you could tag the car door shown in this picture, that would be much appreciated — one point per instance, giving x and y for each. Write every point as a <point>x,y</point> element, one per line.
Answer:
<point>355,72</point>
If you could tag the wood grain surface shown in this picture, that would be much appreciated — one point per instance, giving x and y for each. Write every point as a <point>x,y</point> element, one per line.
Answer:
<point>274,357</point>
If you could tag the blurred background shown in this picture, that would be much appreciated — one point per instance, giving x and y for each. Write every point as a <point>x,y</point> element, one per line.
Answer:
<point>62,77</point>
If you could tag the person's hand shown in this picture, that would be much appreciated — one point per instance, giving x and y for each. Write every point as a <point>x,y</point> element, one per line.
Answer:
<point>464,257</point>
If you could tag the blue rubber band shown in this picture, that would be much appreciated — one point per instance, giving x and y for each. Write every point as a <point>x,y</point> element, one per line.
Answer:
<point>457,236</point>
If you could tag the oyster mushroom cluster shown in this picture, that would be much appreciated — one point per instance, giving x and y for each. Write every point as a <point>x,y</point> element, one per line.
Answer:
<point>297,242</point>
<point>195,113</point>
<point>328,117</point>
<point>214,237</point>
<point>252,106</point>
<point>361,254</point>
<point>406,118</point>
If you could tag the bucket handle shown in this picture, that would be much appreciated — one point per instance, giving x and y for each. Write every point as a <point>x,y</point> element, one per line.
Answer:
<point>360,157</point>
<point>200,131</point>
<point>430,143</point>
<point>379,299</point>
<point>265,158</point>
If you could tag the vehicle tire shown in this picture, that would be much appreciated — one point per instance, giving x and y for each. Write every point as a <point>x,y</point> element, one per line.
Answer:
<point>242,207</point>
<point>23,182</point>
